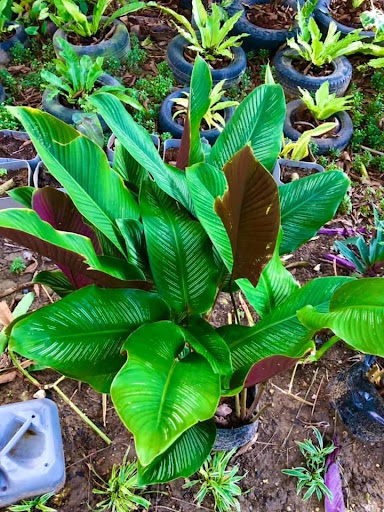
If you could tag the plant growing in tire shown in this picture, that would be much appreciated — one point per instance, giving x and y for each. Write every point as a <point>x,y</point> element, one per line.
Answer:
<point>68,92</point>
<point>210,40</point>
<point>310,112</point>
<point>308,61</point>
<point>95,35</point>
<point>11,33</point>
<point>157,260</point>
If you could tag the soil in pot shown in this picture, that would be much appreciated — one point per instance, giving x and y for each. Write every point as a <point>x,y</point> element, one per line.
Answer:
<point>307,68</point>
<point>104,34</point>
<point>218,63</point>
<point>19,179</point>
<point>272,16</point>
<point>171,156</point>
<point>13,147</point>
<point>290,173</point>
<point>302,120</point>
<point>343,11</point>
<point>5,36</point>
<point>46,178</point>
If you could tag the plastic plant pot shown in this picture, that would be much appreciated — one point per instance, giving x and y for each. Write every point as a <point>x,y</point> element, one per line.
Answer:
<point>324,18</point>
<point>37,175</point>
<point>338,142</point>
<point>56,108</point>
<point>168,124</point>
<point>359,404</point>
<point>111,145</point>
<point>20,136</point>
<point>290,78</point>
<point>259,37</point>
<point>182,69</point>
<point>310,167</point>
<point>175,144</point>
<point>31,450</point>
<point>118,45</point>
<point>14,166</point>
<point>20,37</point>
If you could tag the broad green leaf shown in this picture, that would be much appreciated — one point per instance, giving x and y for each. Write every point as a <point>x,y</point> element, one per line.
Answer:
<point>133,233</point>
<point>22,195</point>
<point>309,203</point>
<point>356,314</point>
<point>258,121</point>
<point>250,211</point>
<point>205,184</point>
<point>280,333</point>
<point>82,168</point>
<point>81,335</point>
<point>183,458</point>
<point>138,143</point>
<point>159,395</point>
<point>127,167</point>
<point>205,340</point>
<point>180,252</point>
<point>66,249</point>
<point>56,280</point>
<point>276,284</point>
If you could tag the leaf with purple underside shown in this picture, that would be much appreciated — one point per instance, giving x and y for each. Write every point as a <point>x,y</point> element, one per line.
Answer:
<point>333,481</point>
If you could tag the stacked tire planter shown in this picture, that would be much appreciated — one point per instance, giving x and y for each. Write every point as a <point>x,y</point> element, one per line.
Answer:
<point>182,69</point>
<point>291,79</point>
<point>117,46</point>
<point>259,37</point>
<point>338,142</point>
<point>168,124</point>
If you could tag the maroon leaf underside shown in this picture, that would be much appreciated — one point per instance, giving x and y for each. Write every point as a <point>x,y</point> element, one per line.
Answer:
<point>185,145</point>
<point>268,368</point>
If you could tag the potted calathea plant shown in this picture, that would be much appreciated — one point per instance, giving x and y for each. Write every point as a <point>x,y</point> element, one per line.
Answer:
<point>95,35</point>
<point>140,270</point>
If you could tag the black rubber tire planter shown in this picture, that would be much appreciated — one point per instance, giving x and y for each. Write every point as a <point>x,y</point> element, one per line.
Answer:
<point>2,94</point>
<point>167,124</point>
<point>20,37</point>
<point>323,18</point>
<point>182,69</point>
<point>291,79</point>
<point>117,46</point>
<point>56,108</point>
<point>259,37</point>
<point>340,142</point>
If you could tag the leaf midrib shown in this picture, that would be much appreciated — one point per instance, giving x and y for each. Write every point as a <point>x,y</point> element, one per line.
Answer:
<point>164,393</point>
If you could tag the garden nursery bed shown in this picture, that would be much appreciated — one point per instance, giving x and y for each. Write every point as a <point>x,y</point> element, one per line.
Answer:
<point>191,256</point>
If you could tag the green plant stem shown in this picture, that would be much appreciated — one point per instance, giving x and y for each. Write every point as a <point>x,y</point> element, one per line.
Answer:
<point>67,400</point>
<point>256,400</point>
<point>234,303</point>
<point>243,404</point>
<point>324,348</point>
<point>237,405</point>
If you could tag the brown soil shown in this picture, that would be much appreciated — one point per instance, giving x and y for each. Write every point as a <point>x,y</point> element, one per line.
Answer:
<point>20,179</point>
<point>307,68</point>
<point>303,121</point>
<point>287,173</point>
<point>218,63</point>
<point>16,147</point>
<point>171,156</point>
<point>46,178</point>
<point>272,17</point>
<point>102,35</point>
<point>344,12</point>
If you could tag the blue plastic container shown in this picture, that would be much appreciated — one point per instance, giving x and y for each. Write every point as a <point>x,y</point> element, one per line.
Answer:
<point>31,451</point>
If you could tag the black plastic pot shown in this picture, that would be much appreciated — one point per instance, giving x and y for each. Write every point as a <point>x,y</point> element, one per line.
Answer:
<point>182,69</point>
<point>117,46</point>
<point>56,108</point>
<point>359,404</point>
<point>294,164</point>
<point>323,18</point>
<point>20,136</point>
<point>20,36</point>
<point>111,144</point>
<point>291,79</point>
<point>228,439</point>
<point>168,124</point>
<point>14,165</point>
<point>340,141</point>
<point>259,37</point>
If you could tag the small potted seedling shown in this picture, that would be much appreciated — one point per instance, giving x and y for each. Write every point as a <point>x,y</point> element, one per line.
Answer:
<point>174,110</point>
<point>33,15</point>
<point>68,91</point>
<point>95,35</point>
<point>309,112</point>
<point>210,40</point>
<point>309,61</point>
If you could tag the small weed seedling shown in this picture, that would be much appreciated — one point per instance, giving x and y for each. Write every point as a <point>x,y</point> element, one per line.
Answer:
<point>215,479</point>
<point>312,475</point>
<point>17,266</point>
<point>38,503</point>
<point>120,490</point>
